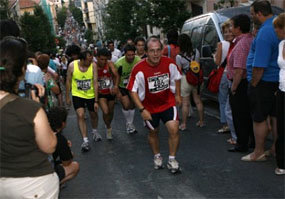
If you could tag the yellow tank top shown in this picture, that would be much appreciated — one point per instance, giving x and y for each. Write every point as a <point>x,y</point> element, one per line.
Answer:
<point>82,82</point>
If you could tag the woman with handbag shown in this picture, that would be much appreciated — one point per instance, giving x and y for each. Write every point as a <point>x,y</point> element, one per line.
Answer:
<point>223,50</point>
<point>183,60</point>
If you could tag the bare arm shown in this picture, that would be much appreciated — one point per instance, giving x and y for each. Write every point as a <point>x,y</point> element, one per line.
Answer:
<point>145,114</point>
<point>95,82</point>
<point>218,55</point>
<point>116,77</point>
<point>45,137</point>
<point>237,78</point>
<point>178,92</point>
<point>257,74</point>
<point>68,82</point>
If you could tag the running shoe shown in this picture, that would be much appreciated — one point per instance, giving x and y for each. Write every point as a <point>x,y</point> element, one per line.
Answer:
<point>157,162</point>
<point>97,137</point>
<point>173,166</point>
<point>131,128</point>
<point>109,134</point>
<point>85,147</point>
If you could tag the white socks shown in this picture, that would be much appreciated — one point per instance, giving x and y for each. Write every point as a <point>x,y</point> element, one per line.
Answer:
<point>129,115</point>
<point>157,155</point>
<point>171,157</point>
<point>85,139</point>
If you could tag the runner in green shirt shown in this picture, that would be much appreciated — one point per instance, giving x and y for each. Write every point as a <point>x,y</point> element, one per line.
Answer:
<point>124,66</point>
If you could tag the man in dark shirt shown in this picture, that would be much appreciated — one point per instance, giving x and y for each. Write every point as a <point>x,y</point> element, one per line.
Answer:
<point>64,165</point>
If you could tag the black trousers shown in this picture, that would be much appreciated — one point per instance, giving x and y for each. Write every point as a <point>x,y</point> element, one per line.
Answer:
<point>280,108</point>
<point>241,115</point>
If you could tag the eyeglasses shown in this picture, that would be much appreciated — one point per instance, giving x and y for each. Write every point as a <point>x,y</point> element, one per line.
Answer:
<point>154,51</point>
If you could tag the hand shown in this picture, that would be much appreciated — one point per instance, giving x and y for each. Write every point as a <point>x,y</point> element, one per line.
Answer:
<point>96,106</point>
<point>146,115</point>
<point>41,92</point>
<point>178,100</point>
<point>69,143</point>
<point>233,91</point>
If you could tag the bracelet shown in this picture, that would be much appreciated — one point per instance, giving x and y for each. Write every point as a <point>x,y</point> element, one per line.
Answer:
<point>142,109</point>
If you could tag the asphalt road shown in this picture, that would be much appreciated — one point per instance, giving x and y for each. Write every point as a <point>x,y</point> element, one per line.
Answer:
<point>123,168</point>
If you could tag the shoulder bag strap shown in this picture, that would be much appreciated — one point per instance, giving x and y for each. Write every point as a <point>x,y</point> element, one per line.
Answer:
<point>8,98</point>
<point>169,50</point>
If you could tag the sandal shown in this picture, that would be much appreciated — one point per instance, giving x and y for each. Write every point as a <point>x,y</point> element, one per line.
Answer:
<point>231,141</point>
<point>200,124</point>
<point>182,127</point>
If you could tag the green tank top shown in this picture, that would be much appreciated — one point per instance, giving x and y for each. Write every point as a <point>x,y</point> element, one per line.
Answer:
<point>126,69</point>
<point>82,82</point>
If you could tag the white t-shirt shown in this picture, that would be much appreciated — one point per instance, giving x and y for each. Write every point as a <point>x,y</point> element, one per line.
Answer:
<point>117,53</point>
<point>281,63</point>
<point>184,63</point>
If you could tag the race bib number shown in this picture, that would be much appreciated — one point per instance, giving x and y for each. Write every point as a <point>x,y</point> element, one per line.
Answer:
<point>83,85</point>
<point>104,83</point>
<point>126,81</point>
<point>158,83</point>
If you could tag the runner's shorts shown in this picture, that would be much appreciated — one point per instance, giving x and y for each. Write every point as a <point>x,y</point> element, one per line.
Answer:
<point>79,102</point>
<point>109,97</point>
<point>165,116</point>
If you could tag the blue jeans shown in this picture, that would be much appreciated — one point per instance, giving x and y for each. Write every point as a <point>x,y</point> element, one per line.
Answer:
<point>229,116</point>
<point>222,97</point>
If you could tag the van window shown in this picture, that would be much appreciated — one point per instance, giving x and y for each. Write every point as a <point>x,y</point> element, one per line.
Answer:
<point>196,37</point>
<point>211,37</point>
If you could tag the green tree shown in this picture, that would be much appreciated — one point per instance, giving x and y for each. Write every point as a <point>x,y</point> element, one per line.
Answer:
<point>128,18</point>
<point>36,30</point>
<point>88,35</point>
<point>4,9</point>
<point>61,16</point>
<point>168,14</point>
<point>76,13</point>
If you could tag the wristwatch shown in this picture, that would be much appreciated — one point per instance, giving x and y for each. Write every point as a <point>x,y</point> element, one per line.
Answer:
<point>142,109</point>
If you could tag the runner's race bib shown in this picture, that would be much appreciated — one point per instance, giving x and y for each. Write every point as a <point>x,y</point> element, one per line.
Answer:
<point>158,83</point>
<point>83,85</point>
<point>104,83</point>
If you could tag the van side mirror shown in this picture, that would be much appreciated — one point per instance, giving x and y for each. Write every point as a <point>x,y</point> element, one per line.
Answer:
<point>206,51</point>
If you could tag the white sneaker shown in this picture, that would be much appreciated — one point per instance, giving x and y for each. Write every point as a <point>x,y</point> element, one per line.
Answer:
<point>109,134</point>
<point>97,137</point>
<point>173,166</point>
<point>157,162</point>
<point>131,128</point>
<point>85,147</point>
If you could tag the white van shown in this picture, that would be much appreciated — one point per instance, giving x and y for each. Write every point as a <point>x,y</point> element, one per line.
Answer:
<point>205,32</point>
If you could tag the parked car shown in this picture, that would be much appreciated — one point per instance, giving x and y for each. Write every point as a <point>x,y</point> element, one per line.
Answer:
<point>205,32</point>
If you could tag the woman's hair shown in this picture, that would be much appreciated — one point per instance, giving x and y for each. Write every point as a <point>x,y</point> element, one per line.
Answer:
<point>279,21</point>
<point>185,44</point>
<point>226,24</point>
<point>43,61</point>
<point>13,57</point>
<point>172,36</point>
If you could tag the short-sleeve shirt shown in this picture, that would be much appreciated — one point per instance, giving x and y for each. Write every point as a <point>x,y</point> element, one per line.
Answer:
<point>155,85</point>
<point>238,56</point>
<point>125,70</point>
<point>62,151</point>
<point>266,52</point>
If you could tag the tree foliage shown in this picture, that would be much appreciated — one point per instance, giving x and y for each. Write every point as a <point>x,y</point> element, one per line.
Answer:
<point>61,16</point>
<point>128,18</point>
<point>76,13</point>
<point>36,30</point>
<point>88,35</point>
